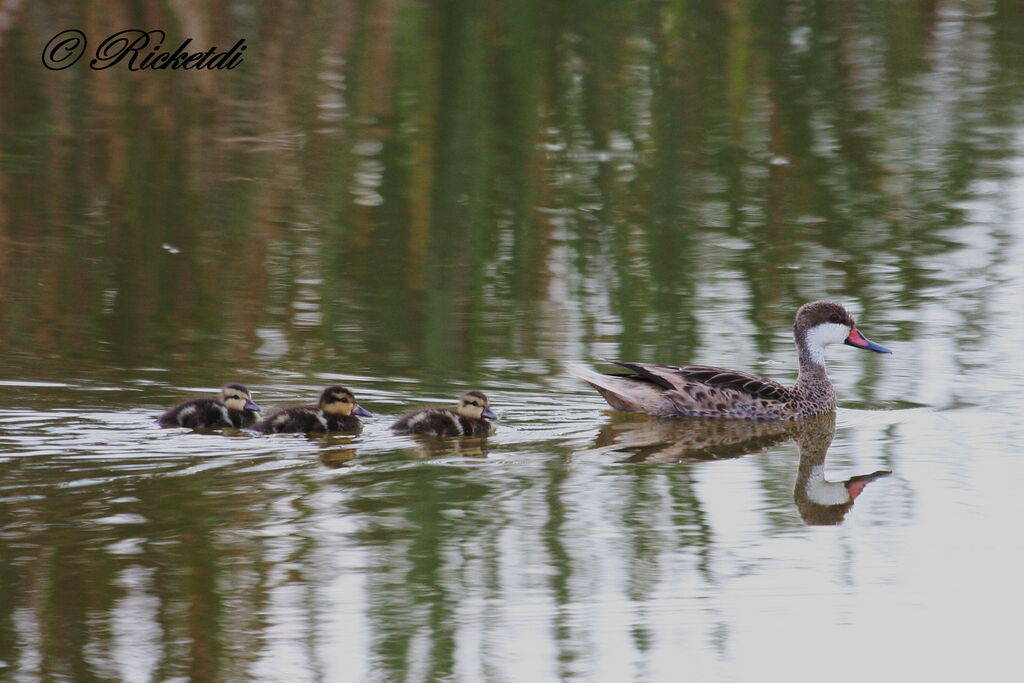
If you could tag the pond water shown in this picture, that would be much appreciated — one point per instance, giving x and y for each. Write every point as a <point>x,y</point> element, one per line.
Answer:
<point>414,199</point>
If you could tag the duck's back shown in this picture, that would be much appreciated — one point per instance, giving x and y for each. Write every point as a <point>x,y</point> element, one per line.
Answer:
<point>307,420</point>
<point>294,419</point>
<point>202,413</point>
<point>440,422</point>
<point>700,391</point>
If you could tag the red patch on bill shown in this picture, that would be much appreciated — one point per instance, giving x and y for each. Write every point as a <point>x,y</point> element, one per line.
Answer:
<point>856,338</point>
<point>855,487</point>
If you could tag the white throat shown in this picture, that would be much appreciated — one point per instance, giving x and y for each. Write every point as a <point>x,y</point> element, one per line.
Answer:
<point>820,336</point>
<point>824,492</point>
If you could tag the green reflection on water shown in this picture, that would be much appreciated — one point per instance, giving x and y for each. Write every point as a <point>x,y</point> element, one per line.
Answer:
<point>409,212</point>
<point>430,196</point>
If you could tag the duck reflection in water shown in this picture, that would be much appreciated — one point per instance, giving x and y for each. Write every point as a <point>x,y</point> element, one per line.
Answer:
<point>819,501</point>
<point>464,447</point>
<point>336,458</point>
<point>692,440</point>
<point>336,450</point>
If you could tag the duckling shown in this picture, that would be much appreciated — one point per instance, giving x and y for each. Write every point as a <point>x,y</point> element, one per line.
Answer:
<point>335,411</point>
<point>469,418</point>
<point>233,407</point>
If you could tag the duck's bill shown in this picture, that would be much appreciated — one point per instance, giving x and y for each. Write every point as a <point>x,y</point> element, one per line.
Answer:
<point>856,484</point>
<point>250,405</point>
<point>857,339</point>
<point>359,410</point>
<point>489,414</point>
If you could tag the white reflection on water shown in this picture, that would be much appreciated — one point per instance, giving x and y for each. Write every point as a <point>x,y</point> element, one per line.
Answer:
<point>626,584</point>
<point>336,558</point>
<point>135,629</point>
<point>549,551</point>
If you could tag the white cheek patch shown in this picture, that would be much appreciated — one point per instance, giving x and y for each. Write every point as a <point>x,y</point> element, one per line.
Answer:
<point>820,336</point>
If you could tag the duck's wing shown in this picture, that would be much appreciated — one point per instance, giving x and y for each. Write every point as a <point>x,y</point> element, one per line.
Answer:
<point>196,413</point>
<point>429,420</point>
<point>671,377</point>
<point>695,390</point>
<point>291,420</point>
<point>629,393</point>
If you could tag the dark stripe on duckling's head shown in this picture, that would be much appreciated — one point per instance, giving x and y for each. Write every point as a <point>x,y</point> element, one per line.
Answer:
<point>337,400</point>
<point>237,397</point>
<point>473,404</point>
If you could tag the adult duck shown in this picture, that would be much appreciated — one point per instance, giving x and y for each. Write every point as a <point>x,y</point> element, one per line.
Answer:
<point>705,391</point>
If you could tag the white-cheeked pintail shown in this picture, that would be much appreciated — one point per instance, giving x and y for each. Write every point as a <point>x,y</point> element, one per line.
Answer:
<point>705,391</point>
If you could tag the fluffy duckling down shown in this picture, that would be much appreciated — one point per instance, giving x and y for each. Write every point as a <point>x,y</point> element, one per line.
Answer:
<point>232,407</point>
<point>469,418</point>
<point>335,411</point>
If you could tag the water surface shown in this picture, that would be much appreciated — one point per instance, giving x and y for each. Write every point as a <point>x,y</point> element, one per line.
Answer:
<point>414,199</point>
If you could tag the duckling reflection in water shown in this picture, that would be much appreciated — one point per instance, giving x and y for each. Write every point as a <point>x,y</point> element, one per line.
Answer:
<point>469,418</point>
<point>335,411</point>
<point>468,448</point>
<point>690,440</point>
<point>232,407</point>
<point>335,457</point>
<point>336,449</point>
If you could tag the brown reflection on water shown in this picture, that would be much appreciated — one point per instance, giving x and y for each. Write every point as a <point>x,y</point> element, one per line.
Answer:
<point>432,538</point>
<point>689,440</point>
<point>433,193</point>
<point>334,450</point>
<point>821,501</point>
<point>377,180</point>
<point>695,440</point>
<point>171,541</point>
<point>448,447</point>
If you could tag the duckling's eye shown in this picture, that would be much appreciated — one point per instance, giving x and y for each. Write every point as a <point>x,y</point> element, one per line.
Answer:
<point>236,397</point>
<point>343,399</point>
<point>834,318</point>
<point>473,403</point>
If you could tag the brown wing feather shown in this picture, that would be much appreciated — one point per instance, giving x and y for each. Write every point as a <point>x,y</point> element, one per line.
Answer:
<point>674,377</point>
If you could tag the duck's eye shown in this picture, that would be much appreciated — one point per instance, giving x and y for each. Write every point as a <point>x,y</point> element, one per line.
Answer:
<point>473,403</point>
<point>343,399</point>
<point>236,397</point>
<point>834,318</point>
